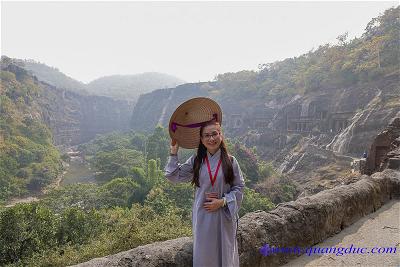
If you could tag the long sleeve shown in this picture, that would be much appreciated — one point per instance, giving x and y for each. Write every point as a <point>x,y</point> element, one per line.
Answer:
<point>179,173</point>
<point>235,196</point>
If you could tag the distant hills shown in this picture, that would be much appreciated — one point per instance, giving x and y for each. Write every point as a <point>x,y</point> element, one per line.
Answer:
<point>131,86</point>
<point>127,87</point>
<point>52,75</point>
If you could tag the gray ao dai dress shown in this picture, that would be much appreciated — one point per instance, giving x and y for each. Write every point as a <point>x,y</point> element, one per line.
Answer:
<point>214,233</point>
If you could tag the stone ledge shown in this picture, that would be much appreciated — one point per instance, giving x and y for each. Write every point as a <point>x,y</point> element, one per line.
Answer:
<point>175,252</point>
<point>310,220</point>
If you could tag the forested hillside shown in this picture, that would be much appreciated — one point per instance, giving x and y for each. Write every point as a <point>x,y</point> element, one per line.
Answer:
<point>360,60</point>
<point>28,159</point>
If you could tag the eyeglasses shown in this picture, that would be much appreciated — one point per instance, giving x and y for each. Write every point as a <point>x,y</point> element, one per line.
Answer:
<point>209,135</point>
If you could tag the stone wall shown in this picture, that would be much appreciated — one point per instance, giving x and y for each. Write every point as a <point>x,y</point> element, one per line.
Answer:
<point>303,223</point>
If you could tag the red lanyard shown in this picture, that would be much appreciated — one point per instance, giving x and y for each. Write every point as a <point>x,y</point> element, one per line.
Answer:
<point>216,171</point>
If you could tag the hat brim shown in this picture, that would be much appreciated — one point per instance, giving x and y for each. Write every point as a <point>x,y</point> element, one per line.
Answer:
<point>185,122</point>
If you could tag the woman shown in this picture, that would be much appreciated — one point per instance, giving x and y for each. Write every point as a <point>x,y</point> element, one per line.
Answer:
<point>219,185</point>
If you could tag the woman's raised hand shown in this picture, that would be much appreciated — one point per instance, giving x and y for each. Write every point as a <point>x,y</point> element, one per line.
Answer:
<point>174,147</point>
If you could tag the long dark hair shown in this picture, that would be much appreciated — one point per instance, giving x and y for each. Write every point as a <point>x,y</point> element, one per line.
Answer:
<point>202,153</point>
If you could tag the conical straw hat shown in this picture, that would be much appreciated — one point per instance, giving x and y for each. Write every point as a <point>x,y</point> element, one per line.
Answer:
<point>185,122</point>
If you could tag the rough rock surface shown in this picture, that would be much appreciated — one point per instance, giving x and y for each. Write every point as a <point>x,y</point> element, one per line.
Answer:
<point>75,119</point>
<point>304,222</point>
<point>385,149</point>
<point>176,252</point>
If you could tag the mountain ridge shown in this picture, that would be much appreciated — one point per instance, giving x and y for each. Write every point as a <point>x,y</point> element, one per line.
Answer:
<point>128,86</point>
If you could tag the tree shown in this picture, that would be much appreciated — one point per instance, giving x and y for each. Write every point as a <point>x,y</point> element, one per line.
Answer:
<point>139,195</point>
<point>116,163</point>
<point>253,201</point>
<point>158,145</point>
<point>342,38</point>
<point>248,162</point>
<point>159,201</point>
<point>154,175</point>
<point>118,191</point>
<point>84,196</point>
<point>77,226</point>
<point>25,229</point>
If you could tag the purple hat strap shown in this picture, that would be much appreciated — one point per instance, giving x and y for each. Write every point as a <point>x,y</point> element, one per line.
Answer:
<point>174,125</point>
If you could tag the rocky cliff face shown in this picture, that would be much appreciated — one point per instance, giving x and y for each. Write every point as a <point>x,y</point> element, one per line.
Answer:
<point>344,120</point>
<point>74,118</point>
<point>385,150</point>
<point>157,107</point>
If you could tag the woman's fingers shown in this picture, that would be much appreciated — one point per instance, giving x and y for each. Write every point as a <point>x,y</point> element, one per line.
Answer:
<point>212,195</point>
<point>173,142</point>
<point>174,146</point>
<point>208,208</point>
<point>211,205</point>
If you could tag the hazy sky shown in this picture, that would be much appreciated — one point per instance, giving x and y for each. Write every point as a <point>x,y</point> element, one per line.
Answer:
<point>191,40</point>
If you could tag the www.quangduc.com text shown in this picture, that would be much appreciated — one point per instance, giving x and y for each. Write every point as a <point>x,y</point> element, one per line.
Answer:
<point>267,250</point>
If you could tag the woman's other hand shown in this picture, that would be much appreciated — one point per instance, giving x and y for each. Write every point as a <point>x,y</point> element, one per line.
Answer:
<point>213,204</point>
<point>174,147</point>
